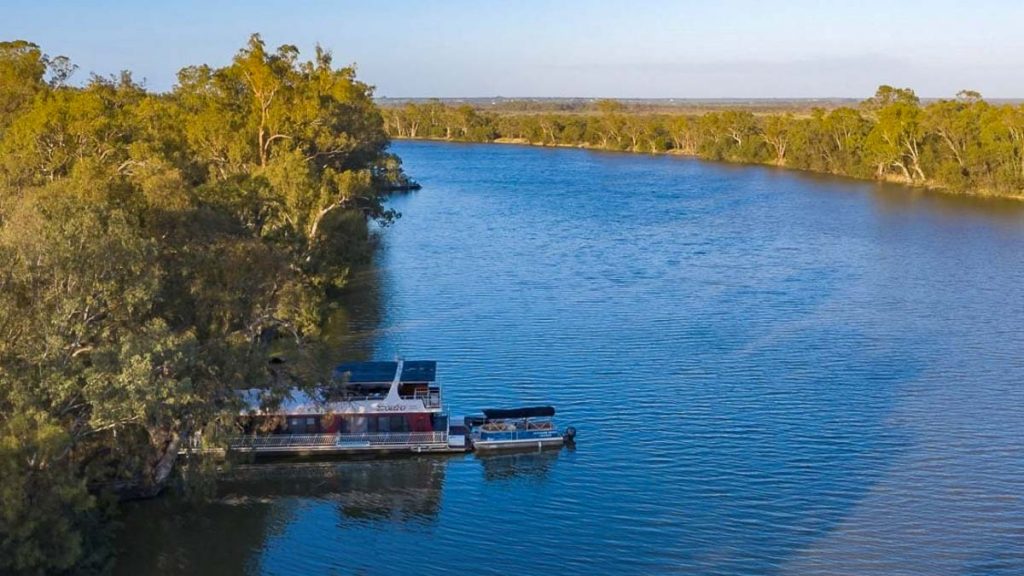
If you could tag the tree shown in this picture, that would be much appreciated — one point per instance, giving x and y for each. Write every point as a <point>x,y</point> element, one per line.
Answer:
<point>656,135</point>
<point>847,129</point>
<point>65,128</point>
<point>776,133</point>
<point>413,117</point>
<point>46,510</point>
<point>611,124</point>
<point>22,69</point>
<point>887,96</point>
<point>268,78</point>
<point>1002,146</point>
<point>635,128</point>
<point>896,139</point>
<point>685,134</point>
<point>957,123</point>
<point>550,127</point>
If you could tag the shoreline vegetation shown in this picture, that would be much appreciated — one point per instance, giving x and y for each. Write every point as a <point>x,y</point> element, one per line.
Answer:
<point>963,145</point>
<point>158,253</point>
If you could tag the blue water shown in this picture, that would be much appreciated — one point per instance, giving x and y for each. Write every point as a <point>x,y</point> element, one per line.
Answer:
<point>771,373</point>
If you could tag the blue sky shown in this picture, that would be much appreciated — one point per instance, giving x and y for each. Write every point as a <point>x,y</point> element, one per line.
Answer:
<point>685,49</point>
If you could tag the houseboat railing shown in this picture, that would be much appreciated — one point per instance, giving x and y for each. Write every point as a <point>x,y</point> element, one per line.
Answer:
<point>274,441</point>
<point>431,399</point>
<point>358,397</point>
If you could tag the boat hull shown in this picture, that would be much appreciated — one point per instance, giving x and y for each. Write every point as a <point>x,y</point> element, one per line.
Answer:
<point>518,444</point>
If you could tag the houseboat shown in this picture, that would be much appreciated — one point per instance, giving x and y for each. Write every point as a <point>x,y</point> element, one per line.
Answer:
<point>517,428</point>
<point>369,407</point>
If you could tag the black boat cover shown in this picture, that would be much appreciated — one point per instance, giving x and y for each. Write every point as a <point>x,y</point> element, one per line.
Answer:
<point>513,413</point>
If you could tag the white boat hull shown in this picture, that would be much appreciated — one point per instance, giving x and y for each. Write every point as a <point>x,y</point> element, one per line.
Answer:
<point>518,444</point>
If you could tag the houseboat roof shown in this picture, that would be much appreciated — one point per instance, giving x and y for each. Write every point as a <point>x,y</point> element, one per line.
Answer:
<point>514,413</point>
<point>384,372</point>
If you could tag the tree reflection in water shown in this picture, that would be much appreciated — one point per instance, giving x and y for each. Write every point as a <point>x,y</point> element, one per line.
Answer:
<point>257,503</point>
<point>393,490</point>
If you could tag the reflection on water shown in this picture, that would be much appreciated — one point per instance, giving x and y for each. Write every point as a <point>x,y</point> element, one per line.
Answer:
<point>534,466</point>
<point>258,504</point>
<point>398,490</point>
<point>899,199</point>
<point>353,325</point>
<point>266,517</point>
<point>771,373</point>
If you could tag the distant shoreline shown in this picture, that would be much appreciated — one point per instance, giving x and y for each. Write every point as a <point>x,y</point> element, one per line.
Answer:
<point>929,186</point>
<point>962,145</point>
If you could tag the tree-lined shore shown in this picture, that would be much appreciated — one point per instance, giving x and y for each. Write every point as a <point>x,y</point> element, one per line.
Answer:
<point>962,144</point>
<point>154,250</point>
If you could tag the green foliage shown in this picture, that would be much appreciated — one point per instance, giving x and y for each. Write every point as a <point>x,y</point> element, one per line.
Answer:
<point>963,144</point>
<point>23,68</point>
<point>49,521</point>
<point>152,249</point>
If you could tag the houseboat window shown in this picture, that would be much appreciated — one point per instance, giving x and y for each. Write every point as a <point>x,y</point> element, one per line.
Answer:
<point>398,424</point>
<point>302,425</point>
<point>356,425</point>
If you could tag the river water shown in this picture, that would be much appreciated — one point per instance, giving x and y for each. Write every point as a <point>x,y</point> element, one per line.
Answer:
<point>770,373</point>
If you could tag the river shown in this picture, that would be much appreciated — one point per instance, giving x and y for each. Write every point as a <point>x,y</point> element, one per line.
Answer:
<point>770,373</point>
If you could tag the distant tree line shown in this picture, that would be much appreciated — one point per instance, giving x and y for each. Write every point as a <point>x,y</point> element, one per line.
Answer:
<point>964,144</point>
<point>154,250</point>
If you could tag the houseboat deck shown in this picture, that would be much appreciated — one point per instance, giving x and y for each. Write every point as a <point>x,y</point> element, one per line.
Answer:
<point>412,442</point>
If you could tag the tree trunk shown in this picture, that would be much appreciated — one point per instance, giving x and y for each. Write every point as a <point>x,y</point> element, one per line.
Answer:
<point>903,168</point>
<point>165,465</point>
<point>319,217</point>
<point>159,474</point>
<point>953,148</point>
<point>915,157</point>
<point>779,145</point>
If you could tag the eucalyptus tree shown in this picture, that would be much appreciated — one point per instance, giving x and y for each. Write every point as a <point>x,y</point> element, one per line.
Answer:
<point>1002,146</point>
<point>776,132</point>
<point>611,124</point>
<point>958,125</point>
<point>23,75</point>
<point>635,128</point>
<point>897,138</point>
<point>685,134</point>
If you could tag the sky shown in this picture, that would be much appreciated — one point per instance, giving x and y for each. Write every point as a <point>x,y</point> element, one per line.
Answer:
<point>623,49</point>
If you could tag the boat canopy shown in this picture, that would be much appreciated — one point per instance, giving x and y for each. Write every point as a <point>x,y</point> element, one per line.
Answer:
<point>384,372</point>
<point>514,413</point>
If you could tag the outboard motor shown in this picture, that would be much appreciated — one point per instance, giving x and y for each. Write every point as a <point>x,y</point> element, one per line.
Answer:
<point>570,435</point>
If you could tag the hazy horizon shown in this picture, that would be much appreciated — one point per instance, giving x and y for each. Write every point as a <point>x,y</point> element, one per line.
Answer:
<point>686,50</point>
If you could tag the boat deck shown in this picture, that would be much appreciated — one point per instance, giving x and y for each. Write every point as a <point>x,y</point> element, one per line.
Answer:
<point>383,443</point>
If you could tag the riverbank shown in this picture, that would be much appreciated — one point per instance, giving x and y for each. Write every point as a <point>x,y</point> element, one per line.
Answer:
<point>963,146</point>
<point>889,179</point>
